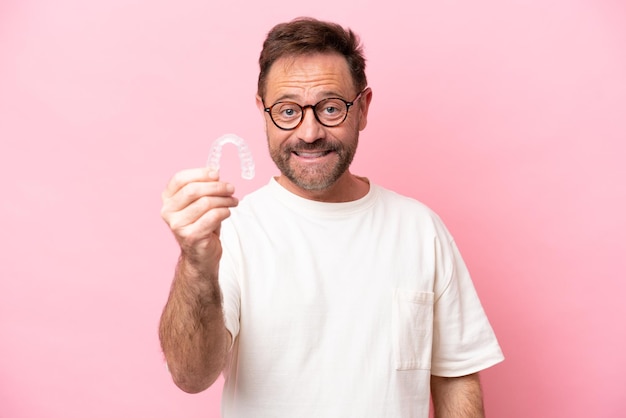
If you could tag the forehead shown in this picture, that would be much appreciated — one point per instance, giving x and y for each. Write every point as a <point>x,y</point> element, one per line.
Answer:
<point>309,75</point>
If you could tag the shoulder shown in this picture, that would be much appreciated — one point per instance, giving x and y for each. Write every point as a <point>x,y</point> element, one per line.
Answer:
<point>410,211</point>
<point>400,202</point>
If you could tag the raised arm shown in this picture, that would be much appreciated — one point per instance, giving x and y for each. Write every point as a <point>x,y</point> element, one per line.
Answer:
<point>457,397</point>
<point>193,336</point>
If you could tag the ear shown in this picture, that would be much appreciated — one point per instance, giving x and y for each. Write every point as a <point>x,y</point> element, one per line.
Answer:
<point>261,107</point>
<point>259,104</point>
<point>364,105</point>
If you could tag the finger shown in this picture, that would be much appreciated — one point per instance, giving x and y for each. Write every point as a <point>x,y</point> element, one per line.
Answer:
<point>191,192</point>
<point>186,216</point>
<point>212,221</point>
<point>206,225</point>
<point>185,177</point>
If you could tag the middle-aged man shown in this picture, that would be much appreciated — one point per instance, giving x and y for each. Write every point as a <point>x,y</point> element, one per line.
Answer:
<point>320,294</point>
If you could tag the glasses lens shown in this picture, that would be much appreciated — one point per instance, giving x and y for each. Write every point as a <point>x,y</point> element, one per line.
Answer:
<point>286,114</point>
<point>331,112</point>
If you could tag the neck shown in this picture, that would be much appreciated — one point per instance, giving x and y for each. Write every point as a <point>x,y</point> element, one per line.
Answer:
<point>347,189</point>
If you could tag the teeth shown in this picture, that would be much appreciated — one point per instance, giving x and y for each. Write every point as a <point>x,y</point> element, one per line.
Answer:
<point>311,154</point>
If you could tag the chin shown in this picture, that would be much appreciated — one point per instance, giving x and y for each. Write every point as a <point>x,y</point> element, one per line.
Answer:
<point>314,181</point>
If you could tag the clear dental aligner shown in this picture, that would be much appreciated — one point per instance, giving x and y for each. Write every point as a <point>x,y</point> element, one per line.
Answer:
<point>245,156</point>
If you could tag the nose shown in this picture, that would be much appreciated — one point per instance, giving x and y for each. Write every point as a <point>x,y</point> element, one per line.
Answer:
<point>310,130</point>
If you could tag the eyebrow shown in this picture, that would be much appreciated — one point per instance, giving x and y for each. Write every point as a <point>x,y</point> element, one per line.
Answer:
<point>327,94</point>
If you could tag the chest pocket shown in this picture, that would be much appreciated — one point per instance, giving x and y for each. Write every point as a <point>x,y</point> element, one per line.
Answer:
<point>412,329</point>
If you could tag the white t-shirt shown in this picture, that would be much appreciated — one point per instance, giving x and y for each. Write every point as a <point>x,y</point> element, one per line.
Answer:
<point>344,309</point>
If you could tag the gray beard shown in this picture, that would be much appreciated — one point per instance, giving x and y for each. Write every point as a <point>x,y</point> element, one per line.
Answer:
<point>314,179</point>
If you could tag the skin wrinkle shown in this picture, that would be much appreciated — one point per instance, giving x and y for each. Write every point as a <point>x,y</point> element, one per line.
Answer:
<point>289,62</point>
<point>295,97</point>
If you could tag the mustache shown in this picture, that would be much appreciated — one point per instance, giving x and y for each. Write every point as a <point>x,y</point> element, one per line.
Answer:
<point>317,145</point>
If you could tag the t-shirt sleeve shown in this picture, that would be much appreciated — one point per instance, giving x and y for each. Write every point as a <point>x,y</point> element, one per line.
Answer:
<point>463,339</point>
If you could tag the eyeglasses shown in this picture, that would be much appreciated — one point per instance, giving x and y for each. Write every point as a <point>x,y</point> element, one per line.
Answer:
<point>329,112</point>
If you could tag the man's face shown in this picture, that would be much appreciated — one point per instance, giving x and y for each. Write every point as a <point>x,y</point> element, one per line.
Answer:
<point>313,157</point>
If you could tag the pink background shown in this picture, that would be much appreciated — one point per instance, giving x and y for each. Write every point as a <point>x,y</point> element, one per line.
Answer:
<point>506,117</point>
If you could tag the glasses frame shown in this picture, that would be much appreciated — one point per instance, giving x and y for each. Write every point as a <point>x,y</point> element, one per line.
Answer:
<point>348,104</point>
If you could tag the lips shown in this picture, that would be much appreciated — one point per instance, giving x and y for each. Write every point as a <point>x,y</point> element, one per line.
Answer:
<point>311,154</point>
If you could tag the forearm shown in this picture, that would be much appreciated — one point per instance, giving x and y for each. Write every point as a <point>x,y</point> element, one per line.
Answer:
<point>193,337</point>
<point>457,397</point>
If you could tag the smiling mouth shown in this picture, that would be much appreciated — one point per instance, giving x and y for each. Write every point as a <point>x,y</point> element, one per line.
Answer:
<point>311,154</point>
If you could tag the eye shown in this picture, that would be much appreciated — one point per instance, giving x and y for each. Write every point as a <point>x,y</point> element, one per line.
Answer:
<point>286,111</point>
<point>331,109</point>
